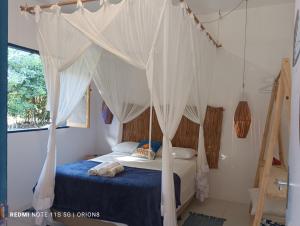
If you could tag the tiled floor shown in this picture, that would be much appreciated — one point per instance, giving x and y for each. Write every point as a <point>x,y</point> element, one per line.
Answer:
<point>235,214</point>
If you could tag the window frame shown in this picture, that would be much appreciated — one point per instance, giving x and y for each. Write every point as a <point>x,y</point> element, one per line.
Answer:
<point>87,123</point>
<point>22,48</point>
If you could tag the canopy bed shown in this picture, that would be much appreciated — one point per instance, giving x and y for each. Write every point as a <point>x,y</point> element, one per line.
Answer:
<point>134,196</point>
<point>139,53</point>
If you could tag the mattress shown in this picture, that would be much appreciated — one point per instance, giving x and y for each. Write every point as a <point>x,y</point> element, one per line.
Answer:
<point>185,169</point>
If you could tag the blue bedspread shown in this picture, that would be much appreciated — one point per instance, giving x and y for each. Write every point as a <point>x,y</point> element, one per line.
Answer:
<point>132,197</point>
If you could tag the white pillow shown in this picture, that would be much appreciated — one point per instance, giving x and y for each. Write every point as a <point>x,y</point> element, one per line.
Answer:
<point>125,147</point>
<point>272,206</point>
<point>183,153</point>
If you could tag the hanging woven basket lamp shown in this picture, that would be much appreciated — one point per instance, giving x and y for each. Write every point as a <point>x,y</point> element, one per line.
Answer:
<point>242,115</point>
<point>242,119</point>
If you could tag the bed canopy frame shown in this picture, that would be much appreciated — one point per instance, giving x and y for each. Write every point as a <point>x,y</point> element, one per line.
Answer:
<point>139,53</point>
<point>30,9</point>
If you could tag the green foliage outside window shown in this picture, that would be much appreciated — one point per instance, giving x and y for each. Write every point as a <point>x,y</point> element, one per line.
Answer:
<point>27,95</point>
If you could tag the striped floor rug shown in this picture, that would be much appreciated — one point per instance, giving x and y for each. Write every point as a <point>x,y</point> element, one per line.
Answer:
<point>266,222</point>
<point>196,219</point>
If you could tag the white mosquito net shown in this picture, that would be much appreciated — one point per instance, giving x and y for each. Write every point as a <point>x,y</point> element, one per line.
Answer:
<point>135,51</point>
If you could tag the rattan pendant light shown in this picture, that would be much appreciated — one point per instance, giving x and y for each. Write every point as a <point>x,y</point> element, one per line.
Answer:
<point>242,116</point>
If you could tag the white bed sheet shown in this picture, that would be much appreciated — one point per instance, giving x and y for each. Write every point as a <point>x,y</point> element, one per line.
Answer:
<point>185,169</point>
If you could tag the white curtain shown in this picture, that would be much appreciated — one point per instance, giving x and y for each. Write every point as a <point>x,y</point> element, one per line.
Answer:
<point>125,32</point>
<point>126,49</point>
<point>196,107</point>
<point>125,90</point>
<point>74,82</point>
<point>122,86</point>
<point>126,29</point>
<point>170,74</point>
<point>53,36</point>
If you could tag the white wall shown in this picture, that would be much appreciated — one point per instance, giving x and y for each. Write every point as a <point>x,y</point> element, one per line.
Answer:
<point>21,30</point>
<point>27,150</point>
<point>270,38</point>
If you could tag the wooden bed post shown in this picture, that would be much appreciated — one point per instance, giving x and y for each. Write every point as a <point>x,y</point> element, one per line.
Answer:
<point>266,174</point>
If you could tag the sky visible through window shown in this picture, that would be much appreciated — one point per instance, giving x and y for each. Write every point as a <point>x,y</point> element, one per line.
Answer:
<point>27,95</point>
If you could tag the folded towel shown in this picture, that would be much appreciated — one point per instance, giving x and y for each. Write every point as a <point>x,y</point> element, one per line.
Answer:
<point>114,171</point>
<point>102,168</point>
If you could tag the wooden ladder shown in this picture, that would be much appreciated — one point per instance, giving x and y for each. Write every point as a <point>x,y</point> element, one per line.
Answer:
<point>266,173</point>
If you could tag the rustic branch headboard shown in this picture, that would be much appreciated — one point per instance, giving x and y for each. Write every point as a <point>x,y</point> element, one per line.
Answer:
<point>138,129</point>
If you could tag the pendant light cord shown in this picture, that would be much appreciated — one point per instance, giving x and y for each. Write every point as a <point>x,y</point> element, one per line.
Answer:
<point>218,35</point>
<point>245,47</point>
<point>225,14</point>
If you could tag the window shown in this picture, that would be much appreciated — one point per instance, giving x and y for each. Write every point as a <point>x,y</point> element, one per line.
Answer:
<point>27,95</point>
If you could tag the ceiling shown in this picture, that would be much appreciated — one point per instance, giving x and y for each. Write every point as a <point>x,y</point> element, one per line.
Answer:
<point>198,6</point>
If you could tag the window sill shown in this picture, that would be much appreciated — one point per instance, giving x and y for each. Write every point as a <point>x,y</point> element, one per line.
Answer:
<point>34,129</point>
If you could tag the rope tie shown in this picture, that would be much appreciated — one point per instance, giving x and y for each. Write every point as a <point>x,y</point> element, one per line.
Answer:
<point>79,4</point>
<point>24,13</point>
<point>37,11</point>
<point>56,8</point>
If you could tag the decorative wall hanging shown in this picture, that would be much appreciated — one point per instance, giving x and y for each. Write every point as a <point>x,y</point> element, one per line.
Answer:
<point>242,115</point>
<point>106,114</point>
<point>212,134</point>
